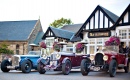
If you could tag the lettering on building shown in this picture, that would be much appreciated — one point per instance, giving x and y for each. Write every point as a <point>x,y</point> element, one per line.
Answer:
<point>98,34</point>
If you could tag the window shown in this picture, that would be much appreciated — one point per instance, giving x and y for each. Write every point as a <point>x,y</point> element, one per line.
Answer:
<point>91,49</point>
<point>99,41</point>
<point>99,48</point>
<point>69,47</point>
<point>17,49</point>
<point>122,34</point>
<point>129,33</point>
<point>92,41</point>
<point>49,42</point>
<point>129,44</point>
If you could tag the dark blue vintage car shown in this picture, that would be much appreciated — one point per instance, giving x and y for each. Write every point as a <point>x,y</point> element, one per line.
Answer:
<point>21,62</point>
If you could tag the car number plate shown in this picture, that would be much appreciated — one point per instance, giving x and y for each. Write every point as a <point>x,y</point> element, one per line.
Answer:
<point>96,68</point>
<point>53,63</point>
<point>10,66</point>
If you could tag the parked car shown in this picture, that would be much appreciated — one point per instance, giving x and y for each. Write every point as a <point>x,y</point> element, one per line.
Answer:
<point>109,59</point>
<point>60,61</point>
<point>21,62</point>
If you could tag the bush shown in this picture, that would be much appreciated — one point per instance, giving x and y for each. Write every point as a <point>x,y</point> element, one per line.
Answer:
<point>5,51</point>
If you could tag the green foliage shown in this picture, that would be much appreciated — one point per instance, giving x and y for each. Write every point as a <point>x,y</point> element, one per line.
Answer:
<point>5,51</point>
<point>4,48</point>
<point>61,22</point>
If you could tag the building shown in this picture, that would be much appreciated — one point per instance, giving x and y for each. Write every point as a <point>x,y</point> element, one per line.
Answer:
<point>21,36</point>
<point>64,34</point>
<point>122,27</point>
<point>102,24</point>
<point>96,30</point>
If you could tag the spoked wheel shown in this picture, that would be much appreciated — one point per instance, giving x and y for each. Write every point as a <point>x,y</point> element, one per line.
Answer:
<point>127,68</point>
<point>4,65</point>
<point>112,68</point>
<point>26,66</point>
<point>40,68</point>
<point>66,67</point>
<point>84,67</point>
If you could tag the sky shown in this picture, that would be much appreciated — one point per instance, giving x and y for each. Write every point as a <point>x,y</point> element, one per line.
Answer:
<point>49,10</point>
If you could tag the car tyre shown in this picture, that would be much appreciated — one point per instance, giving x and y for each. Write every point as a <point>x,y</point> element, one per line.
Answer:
<point>127,68</point>
<point>66,67</point>
<point>84,67</point>
<point>112,68</point>
<point>40,68</point>
<point>26,66</point>
<point>4,65</point>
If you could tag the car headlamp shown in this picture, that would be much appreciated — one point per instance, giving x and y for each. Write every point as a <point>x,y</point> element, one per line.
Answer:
<point>10,59</point>
<point>91,57</point>
<point>58,56</point>
<point>44,56</point>
<point>105,57</point>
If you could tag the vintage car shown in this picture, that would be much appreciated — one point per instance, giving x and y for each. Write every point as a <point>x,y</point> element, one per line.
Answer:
<point>60,61</point>
<point>109,60</point>
<point>21,62</point>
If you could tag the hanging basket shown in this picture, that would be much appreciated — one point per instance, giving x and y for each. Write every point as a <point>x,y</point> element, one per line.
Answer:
<point>56,46</point>
<point>79,47</point>
<point>43,45</point>
<point>113,41</point>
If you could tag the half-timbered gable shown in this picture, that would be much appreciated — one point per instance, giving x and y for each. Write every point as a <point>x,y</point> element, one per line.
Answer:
<point>58,33</point>
<point>122,27</point>
<point>124,19</point>
<point>100,20</point>
<point>97,29</point>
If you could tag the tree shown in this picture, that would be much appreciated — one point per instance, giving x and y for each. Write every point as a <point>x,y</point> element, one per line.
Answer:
<point>61,22</point>
<point>4,48</point>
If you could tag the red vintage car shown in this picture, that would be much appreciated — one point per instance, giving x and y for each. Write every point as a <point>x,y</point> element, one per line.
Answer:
<point>109,59</point>
<point>60,61</point>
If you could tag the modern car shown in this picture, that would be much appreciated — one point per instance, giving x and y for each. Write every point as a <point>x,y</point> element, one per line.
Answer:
<point>21,62</point>
<point>60,61</point>
<point>109,60</point>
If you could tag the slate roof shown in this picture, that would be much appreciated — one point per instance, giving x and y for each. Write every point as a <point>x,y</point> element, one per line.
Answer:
<point>16,30</point>
<point>38,38</point>
<point>61,33</point>
<point>73,27</point>
<point>110,14</point>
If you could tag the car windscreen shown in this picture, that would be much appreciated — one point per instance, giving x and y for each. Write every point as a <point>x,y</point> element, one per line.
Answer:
<point>34,53</point>
<point>111,49</point>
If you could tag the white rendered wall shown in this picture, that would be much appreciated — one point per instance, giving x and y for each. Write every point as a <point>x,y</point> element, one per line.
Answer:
<point>101,19</point>
<point>96,20</point>
<point>106,22</point>
<point>91,23</point>
<point>126,17</point>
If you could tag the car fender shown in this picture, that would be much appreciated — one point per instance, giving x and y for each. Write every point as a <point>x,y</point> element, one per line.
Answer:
<point>111,58</point>
<point>39,60</point>
<point>26,59</point>
<point>126,60</point>
<point>66,58</point>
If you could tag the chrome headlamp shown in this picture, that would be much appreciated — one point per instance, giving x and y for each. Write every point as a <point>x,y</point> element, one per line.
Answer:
<point>10,59</point>
<point>105,57</point>
<point>44,56</point>
<point>58,56</point>
<point>91,57</point>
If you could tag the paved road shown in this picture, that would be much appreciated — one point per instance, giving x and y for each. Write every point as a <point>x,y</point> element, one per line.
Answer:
<point>74,75</point>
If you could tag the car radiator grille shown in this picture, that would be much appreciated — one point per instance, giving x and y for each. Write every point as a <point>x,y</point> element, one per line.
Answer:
<point>99,59</point>
<point>53,57</point>
<point>15,61</point>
